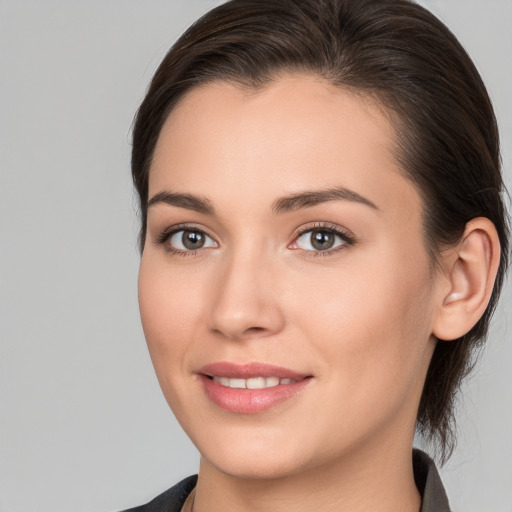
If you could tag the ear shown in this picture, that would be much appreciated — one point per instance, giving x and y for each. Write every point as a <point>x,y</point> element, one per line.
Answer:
<point>470,272</point>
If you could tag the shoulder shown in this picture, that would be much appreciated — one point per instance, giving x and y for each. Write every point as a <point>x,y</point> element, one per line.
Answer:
<point>171,500</point>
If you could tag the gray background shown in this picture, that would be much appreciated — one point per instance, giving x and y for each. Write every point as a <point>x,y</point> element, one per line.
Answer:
<point>83,425</point>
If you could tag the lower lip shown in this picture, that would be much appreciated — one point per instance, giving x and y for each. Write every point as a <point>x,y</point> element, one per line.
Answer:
<point>250,401</point>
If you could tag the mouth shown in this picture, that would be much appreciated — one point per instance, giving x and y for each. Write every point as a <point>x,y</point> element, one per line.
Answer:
<point>253,382</point>
<point>250,388</point>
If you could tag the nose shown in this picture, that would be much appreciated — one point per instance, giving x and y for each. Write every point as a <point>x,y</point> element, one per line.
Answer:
<point>245,303</point>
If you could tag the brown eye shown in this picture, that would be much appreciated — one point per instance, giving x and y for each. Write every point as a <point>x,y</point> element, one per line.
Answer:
<point>190,240</point>
<point>321,240</point>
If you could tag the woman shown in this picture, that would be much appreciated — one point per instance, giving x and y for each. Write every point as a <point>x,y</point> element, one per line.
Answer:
<point>323,244</point>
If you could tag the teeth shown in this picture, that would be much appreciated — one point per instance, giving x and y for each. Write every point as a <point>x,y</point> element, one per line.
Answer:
<point>237,383</point>
<point>252,383</point>
<point>256,383</point>
<point>271,382</point>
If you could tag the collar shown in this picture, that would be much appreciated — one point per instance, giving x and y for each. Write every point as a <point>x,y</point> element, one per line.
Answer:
<point>429,483</point>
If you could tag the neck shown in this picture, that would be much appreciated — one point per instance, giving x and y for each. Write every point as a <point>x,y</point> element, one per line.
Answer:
<point>381,482</point>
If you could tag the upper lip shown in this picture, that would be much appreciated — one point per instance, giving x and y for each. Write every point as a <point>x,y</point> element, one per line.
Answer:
<point>248,371</point>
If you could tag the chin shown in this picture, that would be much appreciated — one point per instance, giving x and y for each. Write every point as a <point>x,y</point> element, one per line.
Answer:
<point>248,453</point>
<point>259,453</point>
<point>248,466</point>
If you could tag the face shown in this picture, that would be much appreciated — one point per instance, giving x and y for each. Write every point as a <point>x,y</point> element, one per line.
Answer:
<point>285,291</point>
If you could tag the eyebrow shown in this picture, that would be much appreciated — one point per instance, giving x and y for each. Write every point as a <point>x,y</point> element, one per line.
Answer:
<point>187,201</point>
<point>312,198</point>
<point>282,205</point>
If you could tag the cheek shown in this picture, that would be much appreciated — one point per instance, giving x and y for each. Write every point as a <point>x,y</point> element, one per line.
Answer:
<point>168,300</point>
<point>375,345</point>
<point>372,323</point>
<point>169,312</point>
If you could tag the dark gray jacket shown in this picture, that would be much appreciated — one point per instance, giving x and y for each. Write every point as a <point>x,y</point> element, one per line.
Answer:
<point>425,473</point>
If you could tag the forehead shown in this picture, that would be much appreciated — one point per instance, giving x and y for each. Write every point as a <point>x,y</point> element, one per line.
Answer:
<point>290,110</point>
<point>297,133</point>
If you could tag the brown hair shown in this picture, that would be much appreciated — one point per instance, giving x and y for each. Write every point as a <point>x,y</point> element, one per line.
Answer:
<point>397,52</point>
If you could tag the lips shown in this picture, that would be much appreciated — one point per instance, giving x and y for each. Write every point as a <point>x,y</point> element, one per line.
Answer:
<point>250,388</point>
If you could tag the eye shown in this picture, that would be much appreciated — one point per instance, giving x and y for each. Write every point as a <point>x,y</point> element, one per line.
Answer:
<point>186,240</point>
<point>321,240</point>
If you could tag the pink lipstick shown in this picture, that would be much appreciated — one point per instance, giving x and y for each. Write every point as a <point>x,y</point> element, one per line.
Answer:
<point>250,388</point>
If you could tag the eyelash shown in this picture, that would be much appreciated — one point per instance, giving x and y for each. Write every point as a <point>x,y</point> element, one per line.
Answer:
<point>346,237</point>
<point>168,233</point>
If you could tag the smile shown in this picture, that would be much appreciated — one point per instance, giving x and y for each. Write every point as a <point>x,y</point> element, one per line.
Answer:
<point>253,383</point>
<point>251,388</point>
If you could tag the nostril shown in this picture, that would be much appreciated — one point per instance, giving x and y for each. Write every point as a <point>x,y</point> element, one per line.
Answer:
<point>248,332</point>
<point>235,319</point>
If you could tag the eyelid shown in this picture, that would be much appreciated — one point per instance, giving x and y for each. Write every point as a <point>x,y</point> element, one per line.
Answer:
<point>165,235</point>
<point>346,236</point>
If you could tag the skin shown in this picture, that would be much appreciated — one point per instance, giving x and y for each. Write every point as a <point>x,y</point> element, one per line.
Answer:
<point>358,319</point>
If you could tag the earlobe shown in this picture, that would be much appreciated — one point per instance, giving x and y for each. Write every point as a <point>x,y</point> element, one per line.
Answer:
<point>471,269</point>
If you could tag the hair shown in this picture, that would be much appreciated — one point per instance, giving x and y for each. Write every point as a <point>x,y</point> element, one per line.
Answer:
<point>398,53</point>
